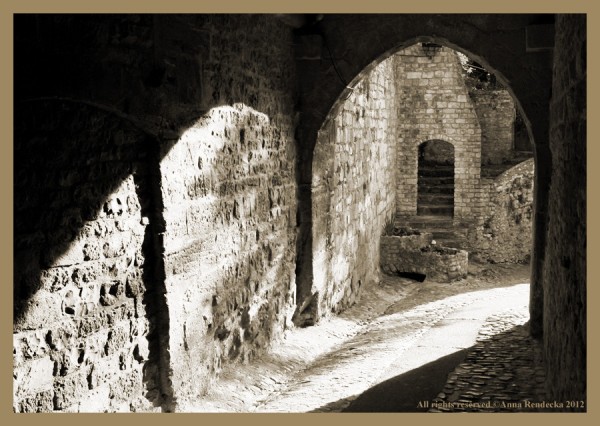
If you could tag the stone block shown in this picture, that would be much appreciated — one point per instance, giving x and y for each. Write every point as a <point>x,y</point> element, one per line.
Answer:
<point>43,307</point>
<point>69,389</point>
<point>33,376</point>
<point>41,402</point>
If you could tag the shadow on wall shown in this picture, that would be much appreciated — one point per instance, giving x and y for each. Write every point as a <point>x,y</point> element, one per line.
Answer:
<point>91,132</point>
<point>87,211</point>
<point>71,162</point>
<point>89,228</point>
<point>80,132</point>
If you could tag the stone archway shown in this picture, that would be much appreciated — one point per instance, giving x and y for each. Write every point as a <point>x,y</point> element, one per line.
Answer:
<point>324,86</point>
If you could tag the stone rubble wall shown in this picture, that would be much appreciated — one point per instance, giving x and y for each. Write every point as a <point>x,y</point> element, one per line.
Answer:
<point>353,190</point>
<point>505,232</point>
<point>155,198</point>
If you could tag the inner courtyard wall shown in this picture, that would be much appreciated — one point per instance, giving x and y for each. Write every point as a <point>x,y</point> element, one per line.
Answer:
<point>433,103</point>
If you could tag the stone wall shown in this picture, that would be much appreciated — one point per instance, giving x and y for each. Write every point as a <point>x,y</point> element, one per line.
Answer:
<point>496,113</point>
<point>442,264</point>
<point>504,234</point>
<point>155,200</point>
<point>564,273</point>
<point>81,319</point>
<point>433,103</point>
<point>353,190</point>
<point>228,188</point>
<point>230,210</point>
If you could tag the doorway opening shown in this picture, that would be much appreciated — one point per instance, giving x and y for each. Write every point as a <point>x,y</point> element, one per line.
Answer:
<point>435,179</point>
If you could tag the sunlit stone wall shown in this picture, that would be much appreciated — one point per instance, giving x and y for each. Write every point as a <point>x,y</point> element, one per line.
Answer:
<point>353,190</point>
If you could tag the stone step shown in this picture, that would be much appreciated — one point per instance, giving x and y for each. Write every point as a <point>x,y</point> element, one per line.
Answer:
<point>437,189</point>
<point>434,181</point>
<point>434,165</point>
<point>435,221</point>
<point>443,232</point>
<point>437,199</point>
<point>435,172</point>
<point>446,242</point>
<point>446,234</point>
<point>434,210</point>
<point>433,229</point>
<point>437,203</point>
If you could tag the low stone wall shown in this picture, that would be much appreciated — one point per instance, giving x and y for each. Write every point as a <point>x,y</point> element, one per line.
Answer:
<point>416,254</point>
<point>504,234</point>
<point>404,238</point>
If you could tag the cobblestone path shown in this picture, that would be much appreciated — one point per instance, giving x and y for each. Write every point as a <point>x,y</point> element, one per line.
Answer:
<point>397,327</point>
<point>389,346</point>
<point>502,373</point>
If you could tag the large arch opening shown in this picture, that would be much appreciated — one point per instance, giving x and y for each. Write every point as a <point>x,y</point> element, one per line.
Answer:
<point>402,113</point>
<point>324,87</point>
<point>400,145</point>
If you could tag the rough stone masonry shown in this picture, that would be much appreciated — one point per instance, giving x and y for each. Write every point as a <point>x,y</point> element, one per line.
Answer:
<point>149,257</point>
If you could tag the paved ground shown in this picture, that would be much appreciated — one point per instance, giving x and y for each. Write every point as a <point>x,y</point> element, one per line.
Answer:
<point>503,372</point>
<point>406,347</point>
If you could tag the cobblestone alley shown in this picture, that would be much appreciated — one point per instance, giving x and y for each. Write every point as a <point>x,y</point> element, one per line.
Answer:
<point>356,362</point>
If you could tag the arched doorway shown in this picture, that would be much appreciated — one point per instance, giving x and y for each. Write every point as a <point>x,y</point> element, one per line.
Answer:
<point>435,179</point>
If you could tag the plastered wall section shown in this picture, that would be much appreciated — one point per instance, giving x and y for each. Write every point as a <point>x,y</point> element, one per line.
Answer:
<point>353,190</point>
<point>433,104</point>
<point>229,192</point>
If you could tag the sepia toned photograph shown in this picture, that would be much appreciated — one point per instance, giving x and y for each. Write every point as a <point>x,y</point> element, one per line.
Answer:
<point>299,213</point>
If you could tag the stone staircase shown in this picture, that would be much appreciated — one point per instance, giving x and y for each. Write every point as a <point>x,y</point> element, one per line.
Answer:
<point>435,190</point>
<point>435,202</point>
